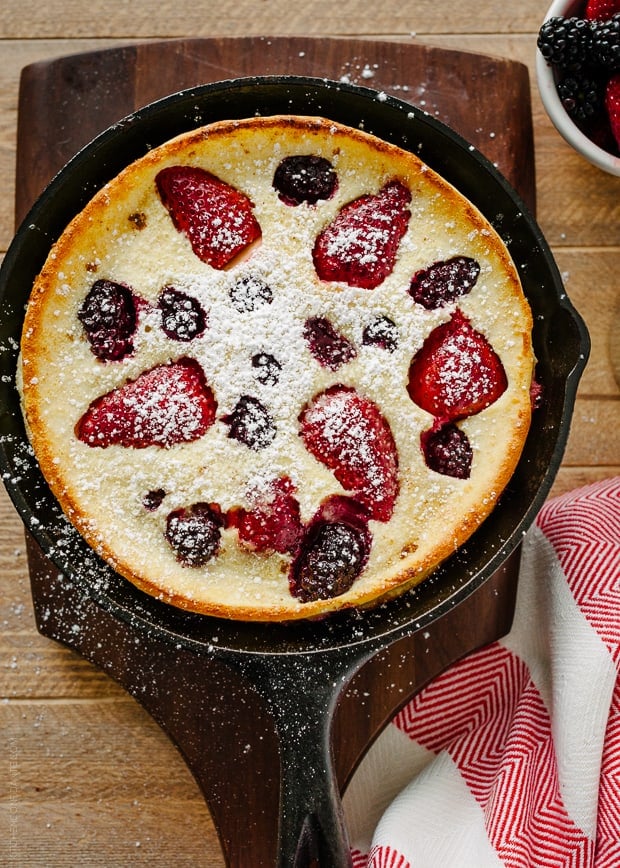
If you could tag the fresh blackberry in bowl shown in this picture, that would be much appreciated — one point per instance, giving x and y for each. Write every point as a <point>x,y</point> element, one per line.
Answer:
<point>566,42</point>
<point>606,43</point>
<point>581,96</point>
<point>583,58</point>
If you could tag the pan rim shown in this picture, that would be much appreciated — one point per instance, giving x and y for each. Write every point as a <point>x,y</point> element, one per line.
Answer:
<point>302,637</point>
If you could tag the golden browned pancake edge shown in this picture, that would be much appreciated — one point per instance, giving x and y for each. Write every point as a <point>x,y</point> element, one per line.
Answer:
<point>101,489</point>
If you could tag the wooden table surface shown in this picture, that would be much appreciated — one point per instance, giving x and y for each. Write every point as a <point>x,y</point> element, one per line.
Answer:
<point>86,776</point>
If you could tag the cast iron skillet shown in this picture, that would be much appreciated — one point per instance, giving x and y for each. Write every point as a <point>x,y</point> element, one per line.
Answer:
<point>299,669</point>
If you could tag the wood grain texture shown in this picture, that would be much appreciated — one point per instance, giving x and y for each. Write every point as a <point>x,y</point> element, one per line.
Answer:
<point>88,778</point>
<point>71,18</point>
<point>105,86</point>
<point>78,96</point>
<point>576,204</point>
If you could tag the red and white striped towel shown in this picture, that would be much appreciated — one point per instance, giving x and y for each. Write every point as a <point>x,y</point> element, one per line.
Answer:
<point>512,756</point>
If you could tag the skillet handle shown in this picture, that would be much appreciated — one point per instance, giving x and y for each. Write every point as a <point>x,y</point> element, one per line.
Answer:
<point>302,693</point>
<point>312,830</point>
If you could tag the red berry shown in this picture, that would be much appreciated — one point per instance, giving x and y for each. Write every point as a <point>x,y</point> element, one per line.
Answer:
<point>272,523</point>
<point>333,552</point>
<point>444,282</point>
<point>612,104</point>
<point>347,433</point>
<point>194,533</point>
<point>456,372</point>
<point>217,218</point>
<point>601,10</point>
<point>536,394</point>
<point>359,246</point>
<point>109,317</point>
<point>165,405</point>
<point>328,347</point>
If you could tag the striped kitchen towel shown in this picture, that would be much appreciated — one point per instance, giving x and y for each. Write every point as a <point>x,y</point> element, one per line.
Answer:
<point>512,756</point>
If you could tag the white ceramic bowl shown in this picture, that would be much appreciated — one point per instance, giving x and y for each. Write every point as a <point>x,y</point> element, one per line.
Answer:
<point>556,111</point>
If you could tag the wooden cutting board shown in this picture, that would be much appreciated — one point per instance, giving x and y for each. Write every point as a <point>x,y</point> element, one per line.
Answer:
<point>66,102</point>
<point>63,104</point>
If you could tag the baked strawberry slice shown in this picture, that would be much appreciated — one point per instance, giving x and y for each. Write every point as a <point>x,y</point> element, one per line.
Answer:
<point>347,432</point>
<point>165,405</point>
<point>359,246</point>
<point>272,523</point>
<point>217,218</point>
<point>456,372</point>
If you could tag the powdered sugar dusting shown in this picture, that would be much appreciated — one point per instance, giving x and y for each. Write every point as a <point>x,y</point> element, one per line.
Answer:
<point>167,405</point>
<point>256,307</point>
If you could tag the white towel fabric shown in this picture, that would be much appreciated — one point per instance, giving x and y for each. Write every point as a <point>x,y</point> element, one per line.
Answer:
<point>512,756</point>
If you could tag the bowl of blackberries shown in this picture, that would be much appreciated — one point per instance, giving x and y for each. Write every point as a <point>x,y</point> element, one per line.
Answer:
<point>578,72</point>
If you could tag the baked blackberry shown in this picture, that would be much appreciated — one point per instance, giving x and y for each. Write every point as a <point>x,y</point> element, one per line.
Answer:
<point>312,452</point>
<point>566,42</point>
<point>581,96</point>
<point>606,43</point>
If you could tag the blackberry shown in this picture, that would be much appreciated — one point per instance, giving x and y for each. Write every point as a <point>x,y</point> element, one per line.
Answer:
<point>332,558</point>
<point>447,450</point>
<point>305,178</point>
<point>109,317</point>
<point>329,348</point>
<point>194,533</point>
<point>445,281</point>
<point>606,43</point>
<point>381,332</point>
<point>267,368</point>
<point>581,96</point>
<point>250,292</point>
<point>182,316</point>
<point>250,423</point>
<point>566,42</point>
<point>153,499</point>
